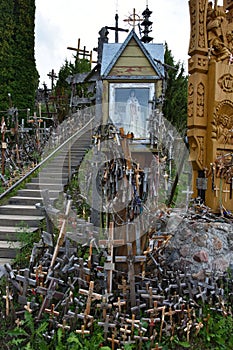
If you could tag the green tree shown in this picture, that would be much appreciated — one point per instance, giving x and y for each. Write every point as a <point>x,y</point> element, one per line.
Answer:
<point>6,51</point>
<point>63,89</point>
<point>175,104</point>
<point>18,73</point>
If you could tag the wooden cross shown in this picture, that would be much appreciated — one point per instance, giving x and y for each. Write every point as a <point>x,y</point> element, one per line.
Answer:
<point>124,287</point>
<point>85,317</point>
<point>27,307</point>
<point>155,310</point>
<point>63,326</point>
<point>83,52</point>
<point>109,265</point>
<point>104,306</point>
<point>133,322</point>
<point>131,260</point>
<point>39,274</point>
<point>61,235</point>
<point>8,298</point>
<point>106,326</point>
<point>141,339</point>
<point>162,322</point>
<point>52,313</point>
<point>52,75</point>
<point>22,298</point>
<point>90,296</point>
<point>133,19</point>
<point>151,295</point>
<point>125,332</point>
<point>188,328</point>
<point>49,294</point>
<point>226,191</point>
<point>82,331</point>
<point>170,313</point>
<point>119,304</point>
<point>113,341</point>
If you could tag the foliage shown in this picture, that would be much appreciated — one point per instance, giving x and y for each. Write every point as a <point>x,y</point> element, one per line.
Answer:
<point>175,103</point>
<point>63,89</point>
<point>19,76</point>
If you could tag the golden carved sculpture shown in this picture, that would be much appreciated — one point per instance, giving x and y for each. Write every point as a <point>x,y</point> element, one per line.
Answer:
<point>210,96</point>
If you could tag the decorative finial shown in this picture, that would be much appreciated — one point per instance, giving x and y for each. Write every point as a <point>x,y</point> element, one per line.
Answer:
<point>147,25</point>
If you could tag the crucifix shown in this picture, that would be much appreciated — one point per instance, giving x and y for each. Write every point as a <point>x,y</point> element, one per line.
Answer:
<point>133,19</point>
<point>52,75</point>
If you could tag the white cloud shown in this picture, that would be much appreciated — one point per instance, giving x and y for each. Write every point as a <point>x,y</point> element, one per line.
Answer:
<point>60,23</point>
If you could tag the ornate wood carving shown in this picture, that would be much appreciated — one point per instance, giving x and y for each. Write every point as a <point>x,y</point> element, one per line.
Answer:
<point>222,125</point>
<point>190,100</point>
<point>200,99</point>
<point>198,37</point>
<point>226,82</point>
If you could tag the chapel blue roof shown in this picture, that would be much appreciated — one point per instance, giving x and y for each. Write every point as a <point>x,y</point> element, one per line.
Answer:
<point>112,51</point>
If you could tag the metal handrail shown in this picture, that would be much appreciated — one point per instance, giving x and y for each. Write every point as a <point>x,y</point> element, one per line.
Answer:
<point>17,183</point>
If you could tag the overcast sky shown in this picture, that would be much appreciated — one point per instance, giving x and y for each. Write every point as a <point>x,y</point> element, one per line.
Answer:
<point>59,23</point>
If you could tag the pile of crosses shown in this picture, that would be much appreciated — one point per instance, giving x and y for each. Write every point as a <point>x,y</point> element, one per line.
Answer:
<point>21,145</point>
<point>80,281</point>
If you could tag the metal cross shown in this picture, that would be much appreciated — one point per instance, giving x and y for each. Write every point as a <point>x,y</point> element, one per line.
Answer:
<point>133,19</point>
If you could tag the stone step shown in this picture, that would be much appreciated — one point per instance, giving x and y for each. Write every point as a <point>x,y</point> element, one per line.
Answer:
<point>11,233</point>
<point>43,186</point>
<point>9,250</point>
<point>19,220</point>
<point>19,209</point>
<point>25,200</point>
<point>36,193</point>
<point>4,261</point>
<point>49,180</point>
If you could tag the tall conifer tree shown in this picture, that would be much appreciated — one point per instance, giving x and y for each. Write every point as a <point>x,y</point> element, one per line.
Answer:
<point>175,104</point>
<point>18,73</point>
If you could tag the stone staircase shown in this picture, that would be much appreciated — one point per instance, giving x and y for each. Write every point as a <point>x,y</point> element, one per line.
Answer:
<point>20,212</point>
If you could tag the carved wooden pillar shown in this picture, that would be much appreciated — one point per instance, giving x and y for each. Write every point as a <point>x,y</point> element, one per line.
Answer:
<point>197,87</point>
<point>210,100</point>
